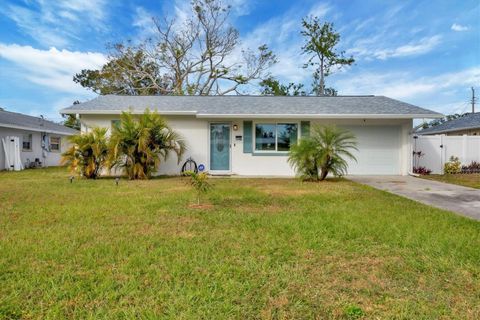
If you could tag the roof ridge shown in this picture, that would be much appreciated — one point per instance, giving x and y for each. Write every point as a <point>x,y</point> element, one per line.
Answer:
<point>240,95</point>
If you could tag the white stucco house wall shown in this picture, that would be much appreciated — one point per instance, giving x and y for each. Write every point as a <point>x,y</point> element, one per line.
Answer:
<point>250,135</point>
<point>40,139</point>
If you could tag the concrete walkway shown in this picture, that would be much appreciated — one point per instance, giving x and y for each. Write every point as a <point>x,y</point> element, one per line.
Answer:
<point>462,200</point>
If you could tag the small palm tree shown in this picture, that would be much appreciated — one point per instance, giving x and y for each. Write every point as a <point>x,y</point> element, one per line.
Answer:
<point>88,154</point>
<point>199,181</point>
<point>138,145</point>
<point>323,152</point>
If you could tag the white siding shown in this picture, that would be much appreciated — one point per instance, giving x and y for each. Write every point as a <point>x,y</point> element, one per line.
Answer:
<point>52,158</point>
<point>384,145</point>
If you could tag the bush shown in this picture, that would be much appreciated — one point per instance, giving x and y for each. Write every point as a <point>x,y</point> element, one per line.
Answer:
<point>453,166</point>
<point>422,170</point>
<point>88,154</point>
<point>473,167</point>
<point>325,151</point>
<point>139,143</point>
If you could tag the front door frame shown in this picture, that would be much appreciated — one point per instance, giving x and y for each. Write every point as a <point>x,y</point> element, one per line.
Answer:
<point>220,172</point>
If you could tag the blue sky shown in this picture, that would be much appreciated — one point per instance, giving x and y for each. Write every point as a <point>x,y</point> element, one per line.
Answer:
<point>423,52</point>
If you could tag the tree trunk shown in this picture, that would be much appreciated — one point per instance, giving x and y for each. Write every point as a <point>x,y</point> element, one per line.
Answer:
<point>324,174</point>
<point>321,89</point>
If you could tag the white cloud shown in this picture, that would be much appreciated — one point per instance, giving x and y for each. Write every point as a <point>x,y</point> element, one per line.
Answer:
<point>458,27</point>
<point>320,10</point>
<point>403,85</point>
<point>51,68</point>
<point>57,23</point>
<point>367,48</point>
<point>143,21</point>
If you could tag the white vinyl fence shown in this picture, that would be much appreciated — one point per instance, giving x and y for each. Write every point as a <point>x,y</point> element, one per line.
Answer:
<point>438,149</point>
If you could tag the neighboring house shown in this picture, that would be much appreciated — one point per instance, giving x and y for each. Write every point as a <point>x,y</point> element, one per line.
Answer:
<point>468,124</point>
<point>251,135</point>
<point>41,141</point>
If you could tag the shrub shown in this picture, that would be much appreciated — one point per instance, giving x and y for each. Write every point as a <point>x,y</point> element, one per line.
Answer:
<point>453,166</point>
<point>138,145</point>
<point>422,170</point>
<point>323,152</point>
<point>88,154</point>
<point>199,181</point>
<point>473,167</point>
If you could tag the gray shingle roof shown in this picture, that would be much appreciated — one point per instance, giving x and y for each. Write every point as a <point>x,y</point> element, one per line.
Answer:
<point>253,105</point>
<point>21,121</point>
<point>468,121</point>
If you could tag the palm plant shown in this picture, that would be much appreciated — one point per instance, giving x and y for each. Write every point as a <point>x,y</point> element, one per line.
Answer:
<point>88,154</point>
<point>324,152</point>
<point>199,181</point>
<point>138,145</point>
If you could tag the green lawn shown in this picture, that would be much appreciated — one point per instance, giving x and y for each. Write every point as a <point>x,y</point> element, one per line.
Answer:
<point>467,180</point>
<point>260,249</point>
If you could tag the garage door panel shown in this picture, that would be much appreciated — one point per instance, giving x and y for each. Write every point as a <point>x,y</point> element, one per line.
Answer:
<point>378,150</point>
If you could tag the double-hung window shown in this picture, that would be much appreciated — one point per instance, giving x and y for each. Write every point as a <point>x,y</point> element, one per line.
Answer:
<point>275,137</point>
<point>55,144</point>
<point>27,142</point>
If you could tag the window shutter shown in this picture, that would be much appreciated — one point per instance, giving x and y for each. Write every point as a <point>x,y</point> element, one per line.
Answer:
<point>247,137</point>
<point>305,129</point>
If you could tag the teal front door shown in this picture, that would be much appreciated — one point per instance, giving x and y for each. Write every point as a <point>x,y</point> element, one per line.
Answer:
<point>220,146</point>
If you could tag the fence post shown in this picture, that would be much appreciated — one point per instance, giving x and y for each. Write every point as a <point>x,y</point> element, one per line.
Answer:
<point>464,149</point>
<point>443,152</point>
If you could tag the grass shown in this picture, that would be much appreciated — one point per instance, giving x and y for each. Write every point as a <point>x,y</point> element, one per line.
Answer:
<point>466,180</point>
<point>259,249</point>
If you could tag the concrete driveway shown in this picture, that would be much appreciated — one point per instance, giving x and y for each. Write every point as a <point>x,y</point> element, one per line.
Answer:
<point>462,200</point>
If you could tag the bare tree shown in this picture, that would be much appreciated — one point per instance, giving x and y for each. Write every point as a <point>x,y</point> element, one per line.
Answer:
<point>200,56</point>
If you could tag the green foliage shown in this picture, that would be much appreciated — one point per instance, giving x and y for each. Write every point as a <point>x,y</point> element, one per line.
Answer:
<point>125,73</point>
<point>303,156</point>
<point>88,154</point>
<point>453,166</point>
<point>324,151</point>
<point>199,181</point>
<point>273,87</point>
<point>321,40</point>
<point>138,144</point>
<point>72,122</point>
<point>436,122</point>
<point>354,312</point>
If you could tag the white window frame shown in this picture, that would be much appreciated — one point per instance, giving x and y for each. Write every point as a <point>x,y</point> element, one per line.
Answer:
<point>276,123</point>
<point>59,143</point>
<point>30,140</point>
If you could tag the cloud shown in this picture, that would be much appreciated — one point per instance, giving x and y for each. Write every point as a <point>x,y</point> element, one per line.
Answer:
<point>50,68</point>
<point>367,48</point>
<point>282,35</point>
<point>458,27</point>
<point>143,21</point>
<point>57,23</point>
<point>404,85</point>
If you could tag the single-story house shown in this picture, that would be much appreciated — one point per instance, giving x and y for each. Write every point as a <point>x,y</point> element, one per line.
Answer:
<point>41,142</point>
<point>468,124</point>
<point>251,135</point>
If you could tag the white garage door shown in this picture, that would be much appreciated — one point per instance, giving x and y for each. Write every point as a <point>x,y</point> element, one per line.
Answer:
<point>378,150</point>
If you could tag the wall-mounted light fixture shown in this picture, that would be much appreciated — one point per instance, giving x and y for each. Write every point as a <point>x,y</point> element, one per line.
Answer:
<point>235,127</point>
